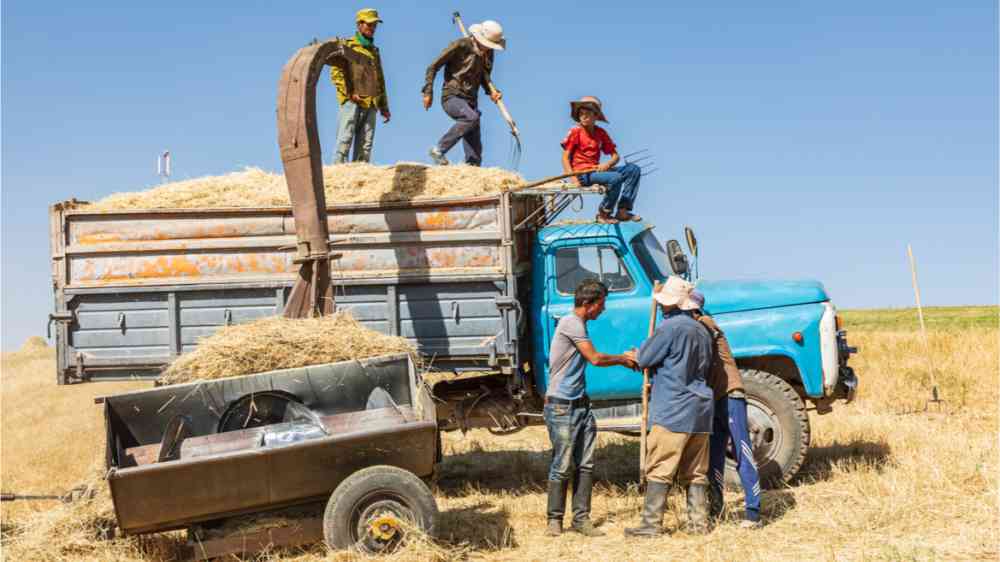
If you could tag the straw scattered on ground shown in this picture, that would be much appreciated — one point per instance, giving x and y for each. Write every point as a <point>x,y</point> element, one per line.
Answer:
<point>883,480</point>
<point>344,183</point>
<point>276,343</point>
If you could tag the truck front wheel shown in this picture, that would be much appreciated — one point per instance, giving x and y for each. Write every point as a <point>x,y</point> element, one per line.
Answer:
<point>779,429</point>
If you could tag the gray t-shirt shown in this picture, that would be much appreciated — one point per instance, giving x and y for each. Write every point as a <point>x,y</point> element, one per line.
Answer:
<point>566,364</point>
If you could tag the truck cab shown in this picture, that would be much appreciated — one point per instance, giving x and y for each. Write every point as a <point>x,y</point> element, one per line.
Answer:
<point>785,335</point>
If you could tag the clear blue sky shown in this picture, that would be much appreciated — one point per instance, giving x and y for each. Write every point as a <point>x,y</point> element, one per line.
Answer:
<point>800,139</point>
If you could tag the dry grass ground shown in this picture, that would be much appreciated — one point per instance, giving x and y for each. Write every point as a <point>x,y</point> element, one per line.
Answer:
<point>883,480</point>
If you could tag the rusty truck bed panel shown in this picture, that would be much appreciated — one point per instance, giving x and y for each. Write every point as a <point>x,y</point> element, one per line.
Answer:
<point>135,289</point>
<point>211,480</point>
<point>105,249</point>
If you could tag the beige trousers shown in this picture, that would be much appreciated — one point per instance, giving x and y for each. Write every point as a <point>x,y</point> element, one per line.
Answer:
<point>680,456</point>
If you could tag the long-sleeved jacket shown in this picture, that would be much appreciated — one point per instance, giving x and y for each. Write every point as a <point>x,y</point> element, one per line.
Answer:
<point>343,82</point>
<point>465,70</point>
<point>680,355</point>
<point>725,376</point>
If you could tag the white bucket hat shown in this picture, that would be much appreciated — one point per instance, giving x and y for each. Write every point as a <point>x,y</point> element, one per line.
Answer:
<point>489,34</point>
<point>676,292</point>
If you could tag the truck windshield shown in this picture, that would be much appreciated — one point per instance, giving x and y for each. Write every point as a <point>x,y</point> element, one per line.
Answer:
<point>651,255</point>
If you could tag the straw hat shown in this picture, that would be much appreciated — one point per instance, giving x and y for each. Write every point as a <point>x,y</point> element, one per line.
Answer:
<point>489,34</point>
<point>676,292</point>
<point>590,102</point>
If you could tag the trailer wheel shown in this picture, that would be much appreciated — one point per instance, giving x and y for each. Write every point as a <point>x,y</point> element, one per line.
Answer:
<point>779,429</point>
<point>373,509</point>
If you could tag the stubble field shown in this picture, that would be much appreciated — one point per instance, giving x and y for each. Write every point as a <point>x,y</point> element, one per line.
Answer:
<point>884,480</point>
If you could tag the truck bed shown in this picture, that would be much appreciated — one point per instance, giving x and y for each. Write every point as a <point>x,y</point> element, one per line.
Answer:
<point>134,289</point>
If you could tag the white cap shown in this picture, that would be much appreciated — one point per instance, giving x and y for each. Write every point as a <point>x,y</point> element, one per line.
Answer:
<point>489,34</point>
<point>676,292</point>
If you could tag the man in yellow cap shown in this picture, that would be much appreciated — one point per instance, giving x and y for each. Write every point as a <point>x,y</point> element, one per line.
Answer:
<point>360,90</point>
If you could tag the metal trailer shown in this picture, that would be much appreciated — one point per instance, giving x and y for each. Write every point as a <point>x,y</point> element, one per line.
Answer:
<point>135,289</point>
<point>360,436</point>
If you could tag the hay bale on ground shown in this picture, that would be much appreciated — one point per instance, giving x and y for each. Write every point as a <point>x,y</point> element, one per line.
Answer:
<point>281,343</point>
<point>344,183</point>
<point>83,529</point>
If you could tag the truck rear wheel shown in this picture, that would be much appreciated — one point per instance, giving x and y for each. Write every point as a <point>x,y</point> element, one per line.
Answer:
<point>375,507</point>
<point>779,429</point>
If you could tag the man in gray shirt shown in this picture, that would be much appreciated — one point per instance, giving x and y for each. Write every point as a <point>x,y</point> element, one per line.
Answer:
<point>571,424</point>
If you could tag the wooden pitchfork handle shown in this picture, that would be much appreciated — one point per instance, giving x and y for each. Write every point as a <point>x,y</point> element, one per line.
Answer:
<point>549,179</point>
<point>645,394</point>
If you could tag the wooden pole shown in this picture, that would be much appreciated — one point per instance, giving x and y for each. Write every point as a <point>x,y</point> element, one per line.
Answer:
<point>544,181</point>
<point>645,393</point>
<point>923,327</point>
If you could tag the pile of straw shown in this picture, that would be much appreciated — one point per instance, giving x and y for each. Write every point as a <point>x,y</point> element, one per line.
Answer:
<point>281,343</point>
<point>83,529</point>
<point>344,183</point>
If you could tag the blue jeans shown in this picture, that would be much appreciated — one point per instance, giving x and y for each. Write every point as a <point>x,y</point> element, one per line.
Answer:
<point>355,124</point>
<point>622,183</point>
<point>466,129</point>
<point>573,432</point>
<point>730,422</point>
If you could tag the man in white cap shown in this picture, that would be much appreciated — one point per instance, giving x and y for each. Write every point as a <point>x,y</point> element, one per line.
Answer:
<point>680,411</point>
<point>468,63</point>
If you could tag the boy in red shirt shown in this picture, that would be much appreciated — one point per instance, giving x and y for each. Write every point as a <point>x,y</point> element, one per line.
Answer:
<point>582,150</point>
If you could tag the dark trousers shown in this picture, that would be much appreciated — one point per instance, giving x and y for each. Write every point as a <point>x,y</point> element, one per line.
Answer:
<point>466,129</point>
<point>731,423</point>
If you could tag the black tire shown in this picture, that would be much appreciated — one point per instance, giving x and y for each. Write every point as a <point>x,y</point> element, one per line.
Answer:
<point>779,429</point>
<point>378,493</point>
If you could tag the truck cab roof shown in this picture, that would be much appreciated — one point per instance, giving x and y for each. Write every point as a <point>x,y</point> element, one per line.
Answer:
<point>625,231</point>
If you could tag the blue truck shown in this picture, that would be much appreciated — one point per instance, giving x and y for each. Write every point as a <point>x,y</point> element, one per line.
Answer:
<point>477,284</point>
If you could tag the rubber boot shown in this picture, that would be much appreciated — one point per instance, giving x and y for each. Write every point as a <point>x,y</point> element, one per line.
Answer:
<point>715,503</point>
<point>556,507</point>
<point>651,524</point>
<point>583,487</point>
<point>697,505</point>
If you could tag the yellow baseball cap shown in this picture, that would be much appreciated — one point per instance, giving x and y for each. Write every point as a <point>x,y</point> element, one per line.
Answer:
<point>368,15</point>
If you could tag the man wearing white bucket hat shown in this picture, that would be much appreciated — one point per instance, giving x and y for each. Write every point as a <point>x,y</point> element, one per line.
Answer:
<point>467,65</point>
<point>679,354</point>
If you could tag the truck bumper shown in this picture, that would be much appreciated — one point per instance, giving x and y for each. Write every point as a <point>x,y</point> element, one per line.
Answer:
<point>847,385</point>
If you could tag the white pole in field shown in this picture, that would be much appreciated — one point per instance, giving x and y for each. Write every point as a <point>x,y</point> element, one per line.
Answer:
<point>923,327</point>
<point>163,166</point>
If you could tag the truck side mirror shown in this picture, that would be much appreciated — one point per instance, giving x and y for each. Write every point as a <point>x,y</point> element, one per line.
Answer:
<point>678,261</point>
<point>691,240</point>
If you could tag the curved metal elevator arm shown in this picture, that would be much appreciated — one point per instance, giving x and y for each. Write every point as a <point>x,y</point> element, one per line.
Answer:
<point>301,155</point>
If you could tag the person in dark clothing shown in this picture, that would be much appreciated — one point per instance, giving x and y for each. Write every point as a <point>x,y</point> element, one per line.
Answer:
<point>571,424</point>
<point>730,423</point>
<point>467,65</point>
<point>680,411</point>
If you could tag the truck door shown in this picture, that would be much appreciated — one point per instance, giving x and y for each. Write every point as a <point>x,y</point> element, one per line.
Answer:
<point>624,322</point>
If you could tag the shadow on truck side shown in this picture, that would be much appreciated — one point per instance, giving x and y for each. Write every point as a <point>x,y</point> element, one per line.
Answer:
<point>411,179</point>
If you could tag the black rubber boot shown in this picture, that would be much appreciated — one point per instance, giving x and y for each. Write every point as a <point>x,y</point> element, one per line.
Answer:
<point>556,507</point>
<point>583,487</point>
<point>697,504</point>
<point>715,503</point>
<point>655,502</point>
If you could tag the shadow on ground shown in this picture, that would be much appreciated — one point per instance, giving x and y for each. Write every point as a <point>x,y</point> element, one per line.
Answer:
<point>616,464</point>
<point>479,526</point>
<point>858,453</point>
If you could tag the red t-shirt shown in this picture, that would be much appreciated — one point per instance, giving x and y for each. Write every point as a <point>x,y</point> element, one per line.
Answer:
<point>585,149</point>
